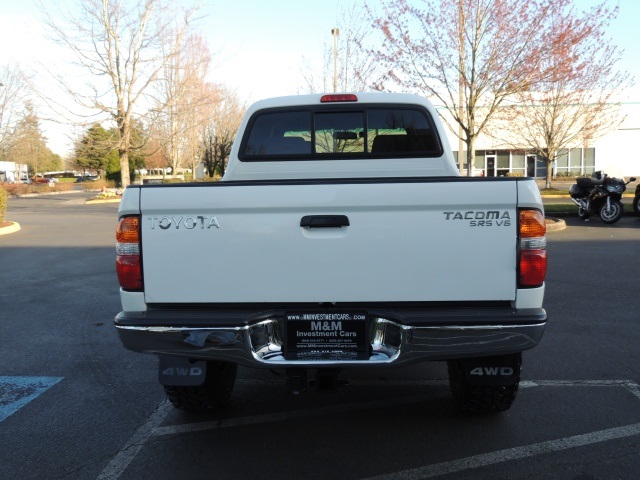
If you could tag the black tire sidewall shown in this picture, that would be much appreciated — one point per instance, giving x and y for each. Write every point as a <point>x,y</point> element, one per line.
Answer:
<point>614,219</point>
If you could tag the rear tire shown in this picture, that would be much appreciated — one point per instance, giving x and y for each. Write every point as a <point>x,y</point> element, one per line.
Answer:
<point>636,207</point>
<point>214,392</point>
<point>482,399</point>
<point>613,214</point>
<point>583,214</point>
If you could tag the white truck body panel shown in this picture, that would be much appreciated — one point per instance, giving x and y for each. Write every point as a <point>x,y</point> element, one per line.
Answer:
<point>404,243</point>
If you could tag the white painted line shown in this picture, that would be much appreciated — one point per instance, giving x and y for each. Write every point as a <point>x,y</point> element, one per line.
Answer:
<point>126,455</point>
<point>337,409</point>
<point>509,454</point>
<point>630,385</point>
<point>634,388</point>
<point>289,415</point>
<point>151,428</point>
<point>575,383</point>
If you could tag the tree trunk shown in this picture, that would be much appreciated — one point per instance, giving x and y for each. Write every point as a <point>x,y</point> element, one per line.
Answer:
<point>124,167</point>
<point>471,154</point>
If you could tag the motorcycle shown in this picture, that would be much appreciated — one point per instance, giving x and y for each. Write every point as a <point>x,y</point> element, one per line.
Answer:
<point>599,195</point>
<point>636,201</point>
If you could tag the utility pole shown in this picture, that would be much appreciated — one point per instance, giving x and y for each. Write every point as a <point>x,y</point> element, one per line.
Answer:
<point>335,32</point>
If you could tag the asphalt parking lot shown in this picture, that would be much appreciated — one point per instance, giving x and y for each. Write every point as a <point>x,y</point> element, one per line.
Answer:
<point>75,405</point>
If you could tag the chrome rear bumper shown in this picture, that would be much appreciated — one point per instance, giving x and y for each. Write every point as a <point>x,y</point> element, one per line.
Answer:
<point>260,344</point>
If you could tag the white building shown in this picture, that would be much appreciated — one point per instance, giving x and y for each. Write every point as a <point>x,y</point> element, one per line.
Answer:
<point>613,153</point>
<point>11,172</point>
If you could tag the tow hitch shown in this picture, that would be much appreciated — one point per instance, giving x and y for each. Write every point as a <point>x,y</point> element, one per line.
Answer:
<point>296,380</point>
<point>326,380</point>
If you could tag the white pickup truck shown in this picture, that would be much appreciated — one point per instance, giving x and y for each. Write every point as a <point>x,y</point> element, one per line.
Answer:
<point>341,236</point>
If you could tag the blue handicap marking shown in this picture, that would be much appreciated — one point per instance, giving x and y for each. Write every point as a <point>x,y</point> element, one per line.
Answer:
<point>16,392</point>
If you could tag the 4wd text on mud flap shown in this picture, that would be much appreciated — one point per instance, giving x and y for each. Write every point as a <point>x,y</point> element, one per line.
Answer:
<point>492,371</point>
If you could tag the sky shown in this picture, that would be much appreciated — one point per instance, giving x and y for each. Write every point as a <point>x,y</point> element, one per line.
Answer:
<point>257,45</point>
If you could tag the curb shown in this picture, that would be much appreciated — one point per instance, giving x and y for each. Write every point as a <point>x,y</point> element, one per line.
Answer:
<point>14,227</point>
<point>564,195</point>
<point>43,194</point>
<point>105,200</point>
<point>555,224</point>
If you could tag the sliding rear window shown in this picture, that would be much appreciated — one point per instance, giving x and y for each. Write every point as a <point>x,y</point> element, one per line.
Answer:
<point>340,133</point>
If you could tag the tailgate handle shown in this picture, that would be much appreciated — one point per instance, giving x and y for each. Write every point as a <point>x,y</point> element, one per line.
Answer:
<point>324,221</point>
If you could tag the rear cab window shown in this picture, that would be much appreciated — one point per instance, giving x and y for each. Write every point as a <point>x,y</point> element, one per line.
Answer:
<point>339,132</point>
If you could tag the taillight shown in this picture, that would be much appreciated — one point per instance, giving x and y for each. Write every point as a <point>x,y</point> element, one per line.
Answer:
<point>532,262</point>
<point>339,97</point>
<point>128,261</point>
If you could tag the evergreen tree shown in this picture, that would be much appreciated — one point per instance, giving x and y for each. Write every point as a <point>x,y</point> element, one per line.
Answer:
<point>95,149</point>
<point>30,145</point>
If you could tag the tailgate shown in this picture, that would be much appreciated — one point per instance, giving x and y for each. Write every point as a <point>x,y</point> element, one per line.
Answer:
<point>406,241</point>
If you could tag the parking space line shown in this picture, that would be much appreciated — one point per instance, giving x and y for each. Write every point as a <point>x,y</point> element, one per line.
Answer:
<point>125,456</point>
<point>630,385</point>
<point>282,416</point>
<point>517,453</point>
<point>634,388</point>
<point>575,383</point>
<point>152,428</point>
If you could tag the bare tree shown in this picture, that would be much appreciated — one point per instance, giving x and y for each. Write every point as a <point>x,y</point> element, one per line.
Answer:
<point>468,55</point>
<point>580,101</point>
<point>13,92</point>
<point>185,102</point>
<point>355,68</point>
<point>124,49</point>
<point>221,130</point>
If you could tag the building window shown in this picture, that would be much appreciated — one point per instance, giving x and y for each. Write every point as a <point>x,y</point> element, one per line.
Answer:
<point>518,165</point>
<point>541,168</point>
<point>589,160</point>
<point>480,160</point>
<point>502,163</point>
<point>562,163</point>
<point>575,162</point>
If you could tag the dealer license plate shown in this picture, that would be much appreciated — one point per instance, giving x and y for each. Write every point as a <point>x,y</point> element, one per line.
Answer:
<point>337,336</point>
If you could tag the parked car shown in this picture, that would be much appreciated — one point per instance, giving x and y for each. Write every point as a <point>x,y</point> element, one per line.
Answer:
<point>45,180</point>
<point>87,178</point>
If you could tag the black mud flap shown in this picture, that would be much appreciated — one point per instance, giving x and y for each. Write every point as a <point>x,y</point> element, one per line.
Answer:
<point>498,370</point>
<point>180,371</point>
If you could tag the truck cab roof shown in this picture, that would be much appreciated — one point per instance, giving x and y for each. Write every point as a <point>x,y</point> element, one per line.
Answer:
<point>355,135</point>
